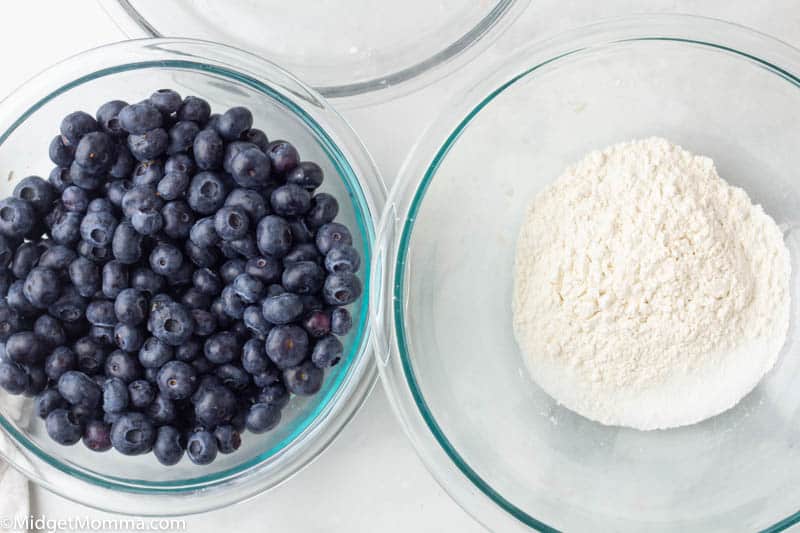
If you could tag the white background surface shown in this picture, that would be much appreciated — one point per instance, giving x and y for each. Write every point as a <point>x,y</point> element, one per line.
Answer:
<point>370,479</point>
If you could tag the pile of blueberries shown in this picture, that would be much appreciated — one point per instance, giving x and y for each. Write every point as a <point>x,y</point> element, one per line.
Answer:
<point>173,282</point>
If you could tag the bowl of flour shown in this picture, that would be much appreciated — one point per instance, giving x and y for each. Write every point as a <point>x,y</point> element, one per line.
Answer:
<point>586,293</point>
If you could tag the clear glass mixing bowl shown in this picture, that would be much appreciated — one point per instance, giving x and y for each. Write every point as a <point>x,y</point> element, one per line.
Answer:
<point>285,108</point>
<point>496,442</point>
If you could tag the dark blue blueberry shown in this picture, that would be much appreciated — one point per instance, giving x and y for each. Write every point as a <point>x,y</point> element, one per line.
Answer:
<point>147,222</point>
<point>167,447</point>
<point>141,393</point>
<point>155,353</point>
<point>249,288</point>
<point>255,322</point>
<point>148,173</point>
<point>218,310</point>
<point>123,164</point>
<point>327,352</point>
<point>332,235</point>
<point>57,257</point>
<point>146,281</point>
<point>203,233</point>
<point>63,427</point>
<point>221,348</point>
<point>17,217</point>
<point>232,149</point>
<point>102,334</point>
<point>282,308</point>
<point>97,436</point>
<point>290,200</point>
<point>141,199</point>
<point>274,394</point>
<point>149,145</point>
<point>343,258</point>
<point>115,396</point>
<point>16,299</point>
<point>172,186</point>
<point>201,447</point>
<point>166,100</point>
<point>165,259</point>
<point>287,346</point>
<point>301,234</point>
<point>150,374</point>
<point>254,357</point>
<point>122,365</point>
<point>239,329</point>
<point>13,377</point>
<point>75,199</point>
<point>25,259</point>
<point>231,222</point>
<point>61,154</point>
<point>6,252</point>
<point>207,281</point>
<point>189,350</point>
<point>234,377</point>
<point>49,330</point>
<point>97,254</point>
<point>126,245</point>
<point>193,299</point>
<point>79,389</point>
<point>91,356</point>
<point>133,434</point>
<point>181,136</point>
<point>61,360</point>
<point>100,205</point>
<point>228,439</point>
<point>25,347</point>
<point>324,209</point>
<point>9,321</point>
<point>234,122</point>
<point>37,380</point>
<point>115,191</point>
<point>139,118</point>
<point>98,228</point>
<point>6,279</point>
<point>83,178</point>
<point>37,191</point>
<point>307,175</point>
<point>303,277</point>
<point>304,379</point>
<point>251,201</point>
<point>202,365</point>
<point>257,137</point>
<point>162,410</point>
<point>178,219</point>
<point>75,125</point>
<point>245,247</point>
<point>274,237</point>
<point>180,164</point>
<point>114,279</point>
<point>269,376</point>
<point>128,338</point>
<point>85,276</point>
<point>208,150</point>
<point>275,289</point>
<point>171,322</point>
<point>59,178</point>
<point>317,323</point>
<point>65,226</point>
<point>177,380</point>
<point>262,417</point>
<point>107,117</point>
<point>47,401</point>
<point>250,168</point>
<point>194,109</point>
<point>206,193</point>
<point>96,152</point>
<point>183,276</point>
<point>283,156</point>
<point>266,269</point>
<point>341,288</point>
<point>205,323</point>
<point>214,405</point>
<point>231,269</point>
<point>303,252</point>
<point>233,304</point>
<point>130,307</point>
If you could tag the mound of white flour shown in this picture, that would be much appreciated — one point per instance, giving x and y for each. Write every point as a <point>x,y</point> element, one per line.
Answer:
<point>648,292</point>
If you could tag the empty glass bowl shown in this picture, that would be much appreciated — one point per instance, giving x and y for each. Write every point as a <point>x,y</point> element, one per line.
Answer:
<point>497,443</point>
<point>284,108</point>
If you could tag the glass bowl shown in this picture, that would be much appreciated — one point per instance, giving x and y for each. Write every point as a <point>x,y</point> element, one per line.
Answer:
<point>285,108</point>
<point>505,450</point>
<point>343,49</point>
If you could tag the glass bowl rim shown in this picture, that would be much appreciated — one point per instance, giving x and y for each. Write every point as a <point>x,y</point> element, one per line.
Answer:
<point>408,193</point>
<point>332,413</point>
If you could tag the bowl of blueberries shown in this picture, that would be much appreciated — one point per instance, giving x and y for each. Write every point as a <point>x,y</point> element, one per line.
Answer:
<point>186,234</point>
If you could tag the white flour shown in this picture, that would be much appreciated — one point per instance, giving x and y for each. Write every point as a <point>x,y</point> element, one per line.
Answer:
<point>648,292</point>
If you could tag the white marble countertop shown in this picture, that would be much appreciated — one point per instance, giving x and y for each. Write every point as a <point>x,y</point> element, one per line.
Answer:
<point>370,479</point>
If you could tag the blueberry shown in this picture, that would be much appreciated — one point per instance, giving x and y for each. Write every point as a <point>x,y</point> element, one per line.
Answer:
<point>274,394</point>
<point>207,281</point>
<point>249,288</point>
<point>221,348</point>
<point>206,193</point>
<point>201,447</point>
<point>307,175</point>
<point>128,338</point>
<point>165,259</point>
<point>205,323</point>
<point>16,299</point>
<point>25,347</point>
<point>6,252</point>
<point>231,269</point>
<point>59,178</point>
<point>268,377</point>
<point>100,205</point>
<point>97,436</point>
<point>49,330</point>
<point>283,156</point>
<point>37,191</point>
<point>132,434</point>
<point>180,164</point>
<point>304,379</point>
<point>251,201</point>
<point>189,351</point>
<point>208,150</point>
<point>63,427</point>
<point>323,210</point>
<point>13,377</point>
<point>85,275</point>
<point>343,258</point>
<point>257,137</point>
<point>141,199</point>
<point>115,191</point>
<point>332,235</point>
<point>139,118</point>
<point>317,323</point>
<point>65,228</point>
<point>233,304</point>
<point>167,446</point>
<point>107,117</point>
<point>9,321</point>
<point>76,125</point>
<point>123,165</point>
<point>193,299</point>
<point>234,122</point>
<point>162,410</point>
<point>255,322</point>
<point>141,394</point>
<point>266,269</point>
<point>303,252</point>
<point>172,186</point>
<point>47,401</point>
<point>183,276</point>
<point>194,109</point>
<point>91,356</point>
<point>166,100</point>
<point>262,417</point>
<point>148,172</point>
<point>181,136</point>
<point>282,308</point>
<point>233,377</point>
<point>98,228</point>
<point>79,389</point>
<point>17,217</point>
<point>115,396</point>
<point>97,254</point>
<point>177,380</point>
<point>203,233</point>
<point>147,222</point>
<point>126,245</point>
<point>75,199</point>
<point>274,237</point>
<point>214,405</point>
<point>171,322</point>
<point>25,259</point>
<point>69,307</point>
<point>303,277</point>
<point>202,257</point>
<point>327,352</point>
<point>232,149</point>
<point>60,153</point>
<point>228,439</point>
<point>250,168</point>
<point>287,345</point>
<point>290,200</point>
<point>341,288</point>
<point>59,361</point>
<point>203,365</point>
<point>124,366</point>
<point>114,278</point>
<point>96,152</point>
<point>155,353</point>
<point>102,334</point>
<point>146,281</point>
<point>231,222</point>
<point>83,178</point>
<point>149,145</point>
